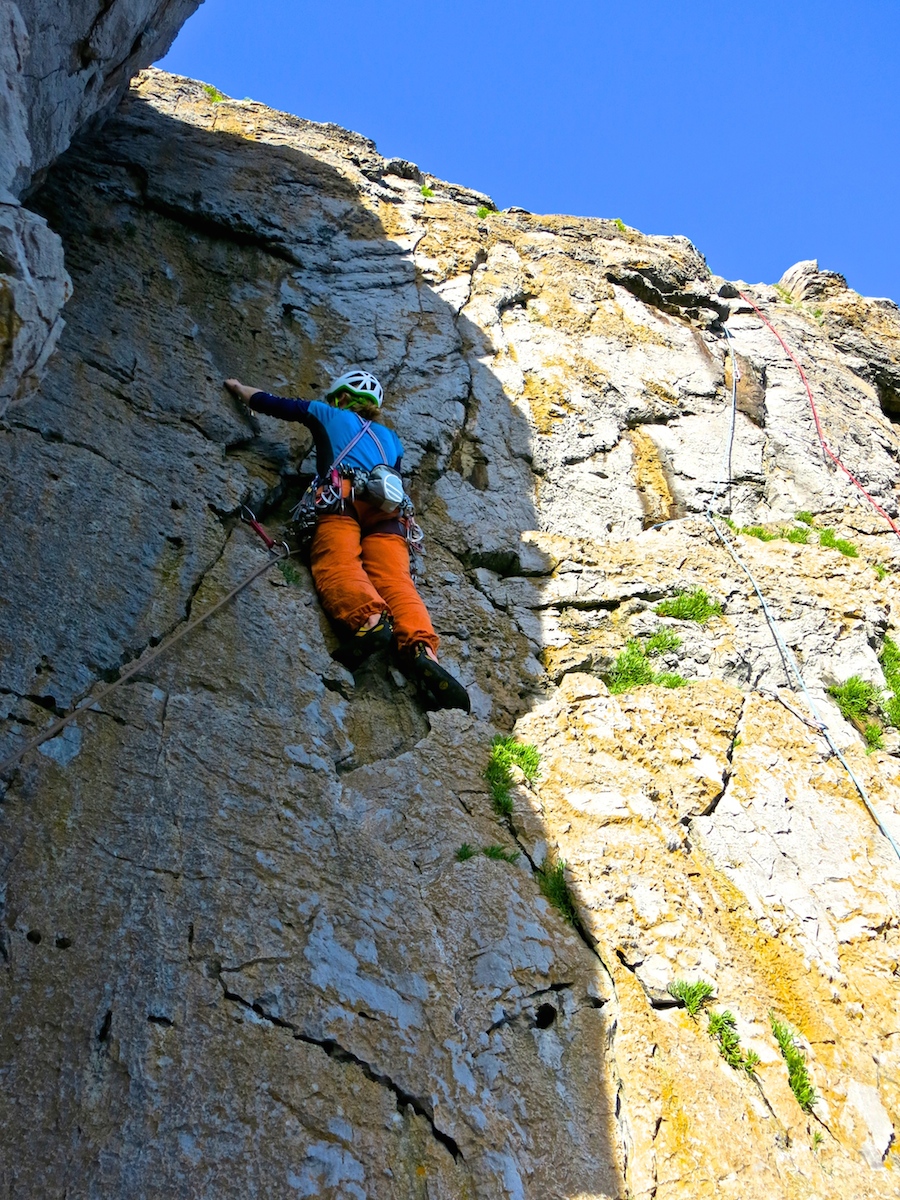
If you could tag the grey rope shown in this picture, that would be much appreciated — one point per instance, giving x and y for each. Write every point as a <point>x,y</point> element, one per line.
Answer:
<point>784,650</point>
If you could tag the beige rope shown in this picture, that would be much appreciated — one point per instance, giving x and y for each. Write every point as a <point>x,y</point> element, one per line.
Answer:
<point>139,665</point>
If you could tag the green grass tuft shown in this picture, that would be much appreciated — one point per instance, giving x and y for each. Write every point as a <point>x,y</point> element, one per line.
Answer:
<point>757,531</point>
<point>483,211</point>
<point>426,191</point>
<point>633,668</point>
<point>498,854</point>
<point>465,852</point>
<point>873,736</point>
<point>804,517</point>
<point>751,1062</point>
<point>854,697</point>
<point>890,664</point>
<point>689,606</point>
<point>880,570</point>
<point>692,995</point>
<point>525,756</point>
<point>828,539</point>
<point>290,573</point>
<point>552,882</point>
<point>664,641</point>
<point>506,753</point>
<point>670,679</point>
<point>620,225</point>
<point>798,1076</point>
<point>723,1030</point>
<point>214,94</point>
<point>799,537</point>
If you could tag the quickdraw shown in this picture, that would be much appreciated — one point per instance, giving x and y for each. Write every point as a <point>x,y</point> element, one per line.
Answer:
<point>249,517</point>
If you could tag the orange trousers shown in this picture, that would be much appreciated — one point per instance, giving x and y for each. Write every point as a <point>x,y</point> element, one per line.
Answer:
<point>359,572</point>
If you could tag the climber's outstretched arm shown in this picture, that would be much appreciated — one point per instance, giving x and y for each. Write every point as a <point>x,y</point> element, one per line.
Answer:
<point>273,406</point>
<point>241,390</point>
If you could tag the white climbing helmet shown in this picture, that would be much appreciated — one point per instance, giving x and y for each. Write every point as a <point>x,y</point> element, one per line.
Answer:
<point>357,383</point>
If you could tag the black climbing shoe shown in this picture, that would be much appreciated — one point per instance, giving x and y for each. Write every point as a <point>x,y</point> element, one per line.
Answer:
<point>364,642</point>
<point>440,689</point>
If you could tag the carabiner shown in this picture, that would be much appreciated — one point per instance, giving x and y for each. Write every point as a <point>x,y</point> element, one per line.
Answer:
<point>251,520</point>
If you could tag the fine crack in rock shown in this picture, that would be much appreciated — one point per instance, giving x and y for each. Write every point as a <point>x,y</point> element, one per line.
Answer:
<point>339,1054</point>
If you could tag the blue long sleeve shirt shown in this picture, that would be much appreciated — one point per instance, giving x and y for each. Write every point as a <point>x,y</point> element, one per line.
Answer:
<point>332,430</point>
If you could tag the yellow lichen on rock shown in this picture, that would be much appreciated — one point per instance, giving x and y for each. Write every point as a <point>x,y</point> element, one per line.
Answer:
<point>650,478</point>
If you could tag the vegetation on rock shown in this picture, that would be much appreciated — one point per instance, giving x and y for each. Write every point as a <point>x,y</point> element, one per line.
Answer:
<point>692,995</point>
<point>498,854</point>
<point>507,753</point>
<point>290,573</point>
<point>890,664</point>
<point>831,541</point>
<point>553,885</point>
<point>854,697</point>
<point>694,605</point>
<point>795,1059</point>
<point>723,1030</point>
<point>633,668</point>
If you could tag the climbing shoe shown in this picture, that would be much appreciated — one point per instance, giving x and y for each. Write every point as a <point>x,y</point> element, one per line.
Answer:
<point>439,688</point>
<point>364,642</point>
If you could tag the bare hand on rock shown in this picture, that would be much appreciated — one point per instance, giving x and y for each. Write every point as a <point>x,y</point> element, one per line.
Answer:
<point>240,389</point>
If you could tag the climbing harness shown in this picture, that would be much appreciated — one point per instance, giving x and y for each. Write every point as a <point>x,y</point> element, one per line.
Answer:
<point>144,661</point>
<point>382,487</point>
<point>325,493</point>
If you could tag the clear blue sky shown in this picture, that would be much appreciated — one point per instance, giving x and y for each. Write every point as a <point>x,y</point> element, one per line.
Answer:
<point>766,132</point>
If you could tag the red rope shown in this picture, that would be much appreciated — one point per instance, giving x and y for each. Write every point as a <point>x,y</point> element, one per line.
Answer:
<point>834,458</point>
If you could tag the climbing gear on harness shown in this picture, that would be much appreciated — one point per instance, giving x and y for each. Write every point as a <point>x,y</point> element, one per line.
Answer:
<point>440,689</point>
<point>358,383</point>
<point>365,642</point>
<point>383,489</point>
<point>322,495</point>
<point>137,666</point>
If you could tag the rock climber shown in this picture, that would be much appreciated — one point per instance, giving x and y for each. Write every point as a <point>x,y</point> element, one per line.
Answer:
<point>360,553</point>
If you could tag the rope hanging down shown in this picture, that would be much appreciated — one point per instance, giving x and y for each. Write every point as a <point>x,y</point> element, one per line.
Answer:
<point>819,432</point>
<point>787,656</point>
<point>139,665</point>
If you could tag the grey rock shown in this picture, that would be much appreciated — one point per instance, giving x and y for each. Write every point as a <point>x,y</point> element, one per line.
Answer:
<point>61,66</point>
<point>238,952</point>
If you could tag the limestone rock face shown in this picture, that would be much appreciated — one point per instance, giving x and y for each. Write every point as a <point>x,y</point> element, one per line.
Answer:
<point>61,66</point>
<point>240,954</point>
